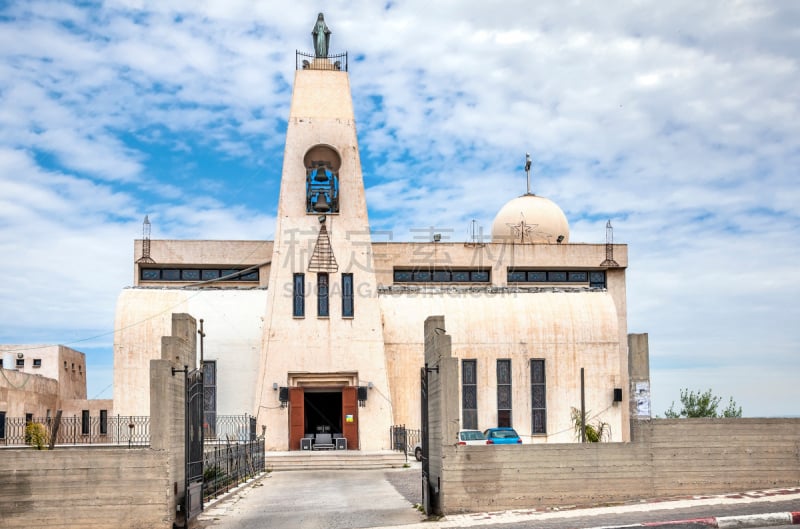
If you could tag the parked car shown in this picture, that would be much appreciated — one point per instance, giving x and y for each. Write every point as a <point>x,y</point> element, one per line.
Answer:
<point>471,437</point>
<point>502,436</point>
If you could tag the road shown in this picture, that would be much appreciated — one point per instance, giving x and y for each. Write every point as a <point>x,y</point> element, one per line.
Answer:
<point>385,499</point>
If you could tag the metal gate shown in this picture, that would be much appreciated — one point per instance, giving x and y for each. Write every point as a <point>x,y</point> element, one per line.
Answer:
<point>430,497</point>
<point>194,444</point>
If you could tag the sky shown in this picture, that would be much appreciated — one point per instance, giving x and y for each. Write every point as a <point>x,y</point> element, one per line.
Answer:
<point>677,121</point>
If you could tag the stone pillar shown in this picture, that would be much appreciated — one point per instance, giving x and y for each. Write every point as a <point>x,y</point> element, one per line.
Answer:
<point>639,375</point>
<point>168,406</point>
<point>443,391</point>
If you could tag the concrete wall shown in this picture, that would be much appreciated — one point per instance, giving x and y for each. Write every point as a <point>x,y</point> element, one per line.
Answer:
<point>670,458</point>
<point>96,488</point>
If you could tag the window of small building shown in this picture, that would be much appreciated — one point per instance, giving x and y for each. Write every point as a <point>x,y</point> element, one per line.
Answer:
<point>85,422</point>
<point>538,397</point>
<point>323,302</point>
<point>557,277</point>
<point>20,362</point>
<point>298,296</point>
<point>28,418</point>
<point>2,425</point>
<point>469,394</point>
<point>348,301</point>
<point>504,393</point>
<point>103,422</point>
<point>37,362</point>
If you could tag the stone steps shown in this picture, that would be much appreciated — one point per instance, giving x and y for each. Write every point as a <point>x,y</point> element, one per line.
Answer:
<point>334,460</point>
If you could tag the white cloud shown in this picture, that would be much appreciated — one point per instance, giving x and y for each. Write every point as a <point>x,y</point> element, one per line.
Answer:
<point>679,121</point>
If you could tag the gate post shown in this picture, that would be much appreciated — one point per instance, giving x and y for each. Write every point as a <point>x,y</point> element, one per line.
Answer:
<point>439,381</point>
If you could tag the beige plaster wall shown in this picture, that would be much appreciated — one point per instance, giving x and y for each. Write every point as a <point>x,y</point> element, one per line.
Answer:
<point>233,323</point>
<point>568,330</point>
<point>22,393</point>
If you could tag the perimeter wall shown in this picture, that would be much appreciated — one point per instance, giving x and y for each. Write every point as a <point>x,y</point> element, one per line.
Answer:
<point>674,457</point>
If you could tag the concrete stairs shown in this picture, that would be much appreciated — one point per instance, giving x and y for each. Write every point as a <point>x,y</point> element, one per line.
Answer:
<point>335,460</point>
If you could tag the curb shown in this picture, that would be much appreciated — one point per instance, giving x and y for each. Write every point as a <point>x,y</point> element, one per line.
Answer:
<point>725,522</point>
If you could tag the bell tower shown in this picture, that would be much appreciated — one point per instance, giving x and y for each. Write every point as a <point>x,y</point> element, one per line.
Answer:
<point>322,338</point>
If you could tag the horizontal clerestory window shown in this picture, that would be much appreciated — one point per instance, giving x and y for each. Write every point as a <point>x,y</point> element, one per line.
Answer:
<point>198,274</point>
<point>425,275</point>
<point>594,278</point>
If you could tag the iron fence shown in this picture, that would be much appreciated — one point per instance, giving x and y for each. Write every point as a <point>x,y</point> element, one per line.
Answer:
<point>229,428</point>
<point>305,61</point>
<point>227,465</point>
<point>405,439</point>
<point>132,431</point>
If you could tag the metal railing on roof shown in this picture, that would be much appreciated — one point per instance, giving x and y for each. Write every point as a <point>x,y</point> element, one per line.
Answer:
<point>306,61</point>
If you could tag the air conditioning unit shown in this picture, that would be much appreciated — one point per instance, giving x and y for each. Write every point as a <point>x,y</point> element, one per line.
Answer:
<point>20,355</point>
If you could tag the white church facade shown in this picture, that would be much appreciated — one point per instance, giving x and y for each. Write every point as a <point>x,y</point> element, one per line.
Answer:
<point>321,329</point>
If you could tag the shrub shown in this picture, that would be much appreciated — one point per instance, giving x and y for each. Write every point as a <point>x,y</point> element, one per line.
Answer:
<point>36,435</point>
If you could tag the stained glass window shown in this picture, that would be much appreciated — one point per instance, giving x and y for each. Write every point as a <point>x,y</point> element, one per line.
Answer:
<point>504,393</point>
<point>469,394</point>
<point>348,301</point>
<point>538,397</point>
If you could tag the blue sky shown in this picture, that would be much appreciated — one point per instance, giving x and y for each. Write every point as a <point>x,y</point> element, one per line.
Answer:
<point>678,121</point>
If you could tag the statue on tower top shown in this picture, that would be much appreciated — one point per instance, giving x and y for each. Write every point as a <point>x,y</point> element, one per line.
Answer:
<point>321,36</point>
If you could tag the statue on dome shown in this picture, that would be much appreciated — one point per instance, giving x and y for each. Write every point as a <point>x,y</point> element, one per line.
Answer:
<point>321,37</point>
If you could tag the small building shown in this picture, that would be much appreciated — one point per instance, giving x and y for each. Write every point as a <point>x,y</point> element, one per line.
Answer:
<point>38,380</point>
<point>321,329</point>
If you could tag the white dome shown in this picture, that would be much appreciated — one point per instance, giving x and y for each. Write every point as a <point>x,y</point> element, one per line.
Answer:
<point>530,219</point>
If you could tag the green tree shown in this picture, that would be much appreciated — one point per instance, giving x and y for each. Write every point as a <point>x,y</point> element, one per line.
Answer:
<point>705,404</point>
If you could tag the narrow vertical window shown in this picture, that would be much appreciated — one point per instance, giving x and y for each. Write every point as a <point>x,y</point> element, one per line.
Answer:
<point>2,425</point>
<point>322,295</point>
<point>538,397</point>
<point>210,398</point>
<point>348,308</point>
<point>298,294</point>
<point>103,422</point>
<point>504,393</point>
<point>469,394</point>
<point>85,422</point>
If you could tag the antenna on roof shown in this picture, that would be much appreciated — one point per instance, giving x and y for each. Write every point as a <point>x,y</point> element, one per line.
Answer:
<point>528,171</point>
<point>145,258</point>
<point>609,262</point>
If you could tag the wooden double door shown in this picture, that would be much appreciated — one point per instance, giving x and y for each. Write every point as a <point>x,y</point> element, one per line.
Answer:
<point>334,410</point>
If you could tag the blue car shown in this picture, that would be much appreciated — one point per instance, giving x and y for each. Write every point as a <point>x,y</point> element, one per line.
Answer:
<point>502,436</point>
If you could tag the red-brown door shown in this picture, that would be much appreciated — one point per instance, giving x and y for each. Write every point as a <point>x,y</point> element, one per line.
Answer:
<point>350,416</point>
<point>297,417</point>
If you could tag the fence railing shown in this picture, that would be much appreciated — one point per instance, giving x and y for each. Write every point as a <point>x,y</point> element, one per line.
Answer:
<point>125,430</point>
<point>227,428</point>
<point>305,61</point>
<point>226,465</point>
<point>132,431</point>
<point>404,439</point>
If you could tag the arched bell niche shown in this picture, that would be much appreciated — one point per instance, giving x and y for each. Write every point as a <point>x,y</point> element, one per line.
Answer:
<point>322,164</point>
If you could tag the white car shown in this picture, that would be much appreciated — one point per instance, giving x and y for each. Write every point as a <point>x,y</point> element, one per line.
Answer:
<point>471,437</point>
